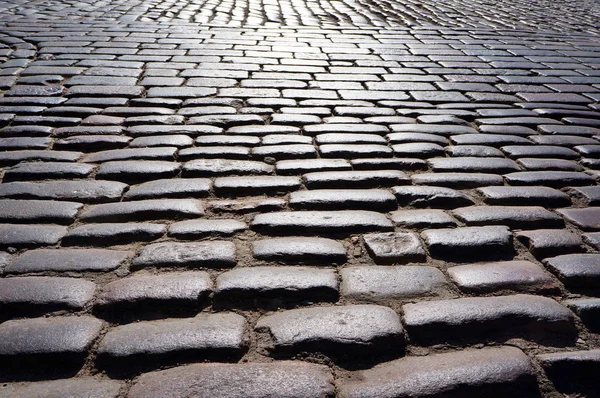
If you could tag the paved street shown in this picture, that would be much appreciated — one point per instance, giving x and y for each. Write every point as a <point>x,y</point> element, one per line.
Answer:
<point>259,198</point>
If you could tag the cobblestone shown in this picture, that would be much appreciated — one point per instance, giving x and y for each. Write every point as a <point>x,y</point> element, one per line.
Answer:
<point>444,320</point>
<point>368,327</point>
<point>271,158</point>
<point>291,379</point>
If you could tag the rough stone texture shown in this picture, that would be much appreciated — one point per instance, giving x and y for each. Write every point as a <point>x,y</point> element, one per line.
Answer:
<point>193,229</point>
<point>20,236</point>
<point>495,372</point>
<point>587,219</point>
<point>144,210</point>
<point>40,291</point>
<point>251,380</point>
<point>43,211</point>
<point>576,270</point>
<point>84,191</point>
<point>486,317</point>
<point>306,250</point>
<point>544,243</point>
<point>308,222</point>
<point>505,275</point>
<point>368,327</point>
<point>68,260</point>
<point>279,284</point>
<point>60,336</point>
<point>588,310</point>
<point>436,197</point>
<point>68,388</point>
<point>394,247</point>
<point>202,334</point>
<point>380,283</point>
<point>469,242</point>
<point>530,217</point>
<point>572,371</point>
<point>524,196</point>
<point>194,254</point>
<point>173,288</point>
<point>343,199</point>
<point>109,234</point>
<point>315,119</point>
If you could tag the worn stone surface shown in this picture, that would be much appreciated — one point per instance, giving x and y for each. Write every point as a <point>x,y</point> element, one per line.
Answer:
<point>491,371</point>
<point>289,379</point>
<point>277,284</point>
<point>193,254</point>
<point>180,136</point>
<point>20,236</point>
<point>68,260</point>
<point>68,388</point>
<point>303,250</point>
<point>505,275</point>
<point>381,283</point>
<point>173,287</point>
<point>333,328</point>
<point>576,270</point>
<point>68,336</point>
<point>343,199</point>
<point>308,222</point>
<point>202,334</point>
<point>394,247</point>
<point>486,317</point>
<point>40,291</point>
<point>468,242</point>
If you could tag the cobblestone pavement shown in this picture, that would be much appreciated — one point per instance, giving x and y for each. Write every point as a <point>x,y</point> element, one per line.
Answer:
<point>299,199</point>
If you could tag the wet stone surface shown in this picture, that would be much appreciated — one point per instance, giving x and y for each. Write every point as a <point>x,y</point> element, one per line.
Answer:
<point>299,199</point>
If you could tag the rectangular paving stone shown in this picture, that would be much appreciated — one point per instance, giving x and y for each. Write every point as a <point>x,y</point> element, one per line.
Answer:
<point>206,334</point>
<point>10,158</point>
<point>144,210</point>
<point>457,180</point>
<point>310,222</point>
<point>554,179</point>
<point>588,219</point>
<point>173,188</point>
<point>109,234</point>
<point>515,275</point>
<point>343,199</point>
<point>64,260</point>
<point>355,179</point>
<point>148,291</point>
<point>193,229</point>
<point>330,329</point>
<point>434,197</point>
<point>255,185</point>
<point>84,191</point>
<point>55,339</point>
<point>466,243</point>
<point>518,217</point>
<point>29,293</point>
<point>494,372</point>
<point>394,248</point>
<point>224,167</point>
<point>42,211</point>
<point>292,379</point>
<point>524,196</point>
<point>383,283</point>
<point>576,270</point>
<point>249,287</point>
<point>63,388</point>
<point>209,254</point>
<point>488,318</point>
<point>572,370</point>
<point>27,236</point>
<point>301,166</point>
<point>299,250</point>
<point>544,243</point>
